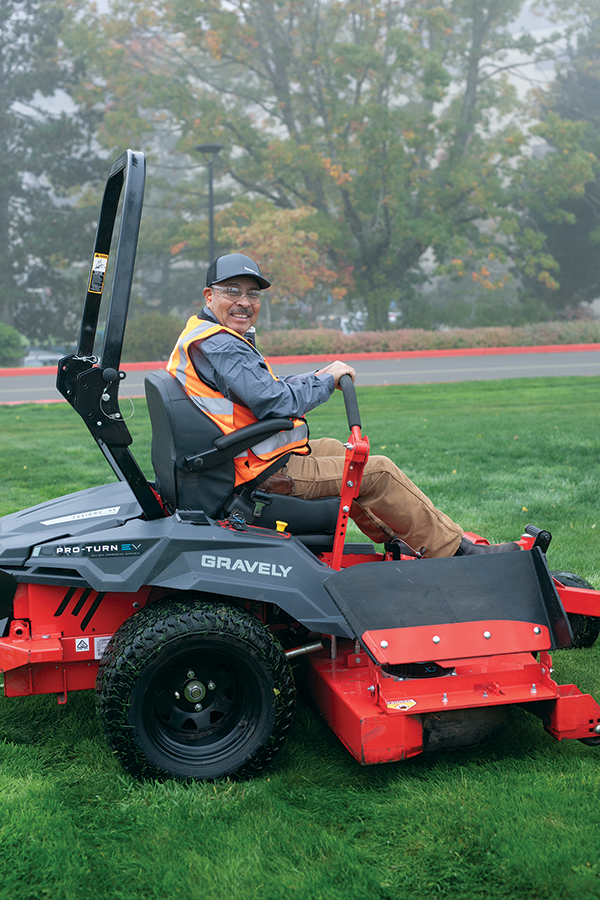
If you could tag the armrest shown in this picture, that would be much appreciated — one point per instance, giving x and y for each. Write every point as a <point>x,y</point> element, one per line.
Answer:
<point>233,444</point>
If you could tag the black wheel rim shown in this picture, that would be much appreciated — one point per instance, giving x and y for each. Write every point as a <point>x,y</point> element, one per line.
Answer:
<point>227,686</point>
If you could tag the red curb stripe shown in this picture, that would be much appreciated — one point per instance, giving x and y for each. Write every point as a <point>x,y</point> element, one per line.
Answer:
<point>329,357</point>
<point>416,354</point>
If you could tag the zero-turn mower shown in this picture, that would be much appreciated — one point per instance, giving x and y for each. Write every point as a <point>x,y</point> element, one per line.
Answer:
<point>185,605</point>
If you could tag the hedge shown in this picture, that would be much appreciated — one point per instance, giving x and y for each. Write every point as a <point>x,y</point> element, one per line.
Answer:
<point>298,342</point>
<point>151,337</point>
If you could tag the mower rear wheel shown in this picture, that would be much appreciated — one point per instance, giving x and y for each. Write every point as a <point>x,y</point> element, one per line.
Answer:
<point>196,690</point>
<point>585,628</point>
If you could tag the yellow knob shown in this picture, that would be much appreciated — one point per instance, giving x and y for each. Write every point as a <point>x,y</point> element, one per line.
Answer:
<point>281,526</point>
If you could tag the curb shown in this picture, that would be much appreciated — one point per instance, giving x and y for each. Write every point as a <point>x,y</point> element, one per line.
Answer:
<point>330,357</point>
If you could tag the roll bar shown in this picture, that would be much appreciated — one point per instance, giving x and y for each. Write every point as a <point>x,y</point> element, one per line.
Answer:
<point>89,384</point>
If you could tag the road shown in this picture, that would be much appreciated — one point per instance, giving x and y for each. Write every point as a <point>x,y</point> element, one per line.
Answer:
<point>393,369</point>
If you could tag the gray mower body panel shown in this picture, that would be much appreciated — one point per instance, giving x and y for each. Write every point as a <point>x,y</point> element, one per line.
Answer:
<point>96,538</point>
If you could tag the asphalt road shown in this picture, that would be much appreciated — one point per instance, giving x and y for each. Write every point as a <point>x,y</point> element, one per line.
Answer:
<point>417,370</point>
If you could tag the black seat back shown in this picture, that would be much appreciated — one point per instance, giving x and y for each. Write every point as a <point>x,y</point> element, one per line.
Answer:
<point>181,429</point>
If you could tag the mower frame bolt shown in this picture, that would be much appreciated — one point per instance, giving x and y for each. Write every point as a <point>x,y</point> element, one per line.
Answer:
<point>436,639</point>
<point>384,644</point>
<point>177,695</point>
<point>597,729</point>
<point>537,630</point>
<point>487,635</point>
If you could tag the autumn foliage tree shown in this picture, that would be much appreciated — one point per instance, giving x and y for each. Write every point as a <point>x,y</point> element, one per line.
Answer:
<point>394,120</point>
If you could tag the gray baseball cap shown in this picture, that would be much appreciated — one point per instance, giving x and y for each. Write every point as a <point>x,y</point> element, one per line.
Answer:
<point>231,266</point>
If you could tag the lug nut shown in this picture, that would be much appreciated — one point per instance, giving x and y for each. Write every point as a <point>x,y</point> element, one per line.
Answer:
<point>177,695</point>
<point>198,707</point>
<point>211,685</point>
<point>191,674</point>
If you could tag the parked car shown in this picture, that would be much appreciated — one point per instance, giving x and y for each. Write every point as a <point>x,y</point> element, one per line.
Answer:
<point>44,356</point>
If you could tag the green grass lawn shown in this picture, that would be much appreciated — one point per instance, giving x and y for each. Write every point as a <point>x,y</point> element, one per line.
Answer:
<point>514,817</point>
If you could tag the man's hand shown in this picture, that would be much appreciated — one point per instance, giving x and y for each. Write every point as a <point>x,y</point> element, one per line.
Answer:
<point>337,369</point>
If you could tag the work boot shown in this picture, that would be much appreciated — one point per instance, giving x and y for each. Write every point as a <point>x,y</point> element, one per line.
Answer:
<point>468,548</point>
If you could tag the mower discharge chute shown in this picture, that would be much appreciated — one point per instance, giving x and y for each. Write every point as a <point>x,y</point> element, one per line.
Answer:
<point>185,604</point>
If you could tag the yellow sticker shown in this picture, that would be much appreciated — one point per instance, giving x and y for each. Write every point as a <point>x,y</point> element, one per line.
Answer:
<point>98,272</point>
<point>401,704</point>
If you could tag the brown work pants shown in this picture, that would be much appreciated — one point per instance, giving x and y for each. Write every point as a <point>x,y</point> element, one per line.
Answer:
<point>388,504</point>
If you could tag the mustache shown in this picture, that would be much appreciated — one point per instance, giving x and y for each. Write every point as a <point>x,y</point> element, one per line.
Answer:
<point>240,311</point>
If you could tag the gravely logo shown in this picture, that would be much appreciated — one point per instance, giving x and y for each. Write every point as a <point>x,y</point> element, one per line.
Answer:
<point>261,568</point>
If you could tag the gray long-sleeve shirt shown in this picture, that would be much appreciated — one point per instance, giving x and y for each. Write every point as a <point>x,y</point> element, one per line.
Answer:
<point>229,366</point>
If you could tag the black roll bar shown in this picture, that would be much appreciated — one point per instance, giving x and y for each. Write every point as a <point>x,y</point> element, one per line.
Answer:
<point>89,384</point>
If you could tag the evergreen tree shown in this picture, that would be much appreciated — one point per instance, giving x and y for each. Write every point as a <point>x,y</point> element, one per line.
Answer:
<point>45,158</point>
<point>574,242</point>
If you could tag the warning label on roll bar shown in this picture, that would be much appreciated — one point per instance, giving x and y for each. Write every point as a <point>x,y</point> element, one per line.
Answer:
<point>98,272</point>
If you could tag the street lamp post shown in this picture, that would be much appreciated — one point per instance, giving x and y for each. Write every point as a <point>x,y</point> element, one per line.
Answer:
<point>210,151</point>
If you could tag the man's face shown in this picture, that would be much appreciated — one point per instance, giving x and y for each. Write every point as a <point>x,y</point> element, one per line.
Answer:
<point>238,314</point>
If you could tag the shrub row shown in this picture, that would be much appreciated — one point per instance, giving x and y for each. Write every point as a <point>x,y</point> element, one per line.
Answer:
<point>152,337</point>
<point>328,341</point>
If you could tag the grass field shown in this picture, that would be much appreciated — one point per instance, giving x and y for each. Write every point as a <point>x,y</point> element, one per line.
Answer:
<point>514,817</point>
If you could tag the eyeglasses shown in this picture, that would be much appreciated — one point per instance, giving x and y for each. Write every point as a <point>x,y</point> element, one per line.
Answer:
<point>235,293</point>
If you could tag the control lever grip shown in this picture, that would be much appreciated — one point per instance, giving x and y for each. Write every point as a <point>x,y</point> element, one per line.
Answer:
<point>350,401</point>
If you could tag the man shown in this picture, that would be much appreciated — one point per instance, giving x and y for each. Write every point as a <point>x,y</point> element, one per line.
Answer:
<point>217,362</point>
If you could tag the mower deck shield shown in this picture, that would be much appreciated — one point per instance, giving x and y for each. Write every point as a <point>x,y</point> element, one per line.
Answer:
<point>413,610</point>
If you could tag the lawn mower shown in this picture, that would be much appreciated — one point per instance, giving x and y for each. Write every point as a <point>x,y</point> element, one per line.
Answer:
<point>193,609</point>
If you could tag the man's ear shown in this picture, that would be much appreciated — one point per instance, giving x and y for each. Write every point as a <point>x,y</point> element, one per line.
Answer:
<point>207,293</point>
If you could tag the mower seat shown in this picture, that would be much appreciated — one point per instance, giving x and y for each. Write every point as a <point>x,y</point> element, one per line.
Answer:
<point>182,434</point>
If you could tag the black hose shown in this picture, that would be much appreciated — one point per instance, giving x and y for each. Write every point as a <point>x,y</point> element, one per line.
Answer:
<point>349,392</point>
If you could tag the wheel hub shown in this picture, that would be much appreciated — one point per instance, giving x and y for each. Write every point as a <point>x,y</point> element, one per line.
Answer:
<point>194,691</point>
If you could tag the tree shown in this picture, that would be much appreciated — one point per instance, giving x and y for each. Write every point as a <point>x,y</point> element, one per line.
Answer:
<point>45,159</point>
<point>289,254</point>
<point>393,119</point>
<point>574,242</point>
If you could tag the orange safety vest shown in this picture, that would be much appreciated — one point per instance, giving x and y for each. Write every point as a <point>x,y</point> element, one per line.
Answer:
<point>230,416</point>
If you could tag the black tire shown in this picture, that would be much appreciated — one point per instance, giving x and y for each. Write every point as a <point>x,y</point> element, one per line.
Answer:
<point>240,677</point>
<point>585,628</point>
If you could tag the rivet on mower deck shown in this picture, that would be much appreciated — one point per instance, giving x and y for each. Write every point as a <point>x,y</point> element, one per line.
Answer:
<point>436,639</point>
<point>487,635</point>
<point>384,644</point>
<point>537,630</point>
